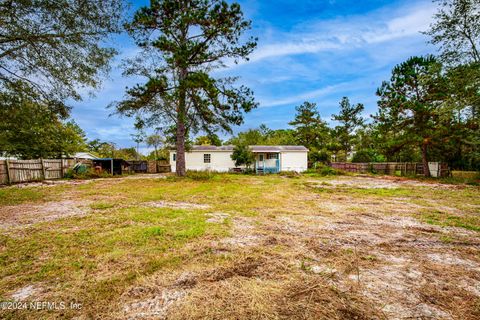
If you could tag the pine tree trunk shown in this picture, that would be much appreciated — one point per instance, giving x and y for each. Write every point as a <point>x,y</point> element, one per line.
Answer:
<point>426,170</point>
<point>181,171</point>
<point>181,167</point>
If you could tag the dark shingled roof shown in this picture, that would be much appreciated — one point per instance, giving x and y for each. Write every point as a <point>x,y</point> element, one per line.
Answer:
<point>253,148</point>
<point>277,148</point>
<point>212,148</point>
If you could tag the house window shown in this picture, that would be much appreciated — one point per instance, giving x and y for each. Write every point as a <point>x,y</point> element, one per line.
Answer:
<point>207,157</point>
<point>272,156</point>
<point>174,157</point>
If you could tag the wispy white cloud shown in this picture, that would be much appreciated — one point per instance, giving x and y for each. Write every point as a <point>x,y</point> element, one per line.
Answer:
<point>347,32</point>
<point>315,94</point>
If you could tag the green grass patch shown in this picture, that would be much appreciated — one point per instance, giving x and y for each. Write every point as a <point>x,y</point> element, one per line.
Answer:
<point>14,196</point>
<point>102,206</point>
<point>466,174</point>
<point>469,222</point>
<point>325,187</point>
<point>135,241</point>
<point>382,192</point>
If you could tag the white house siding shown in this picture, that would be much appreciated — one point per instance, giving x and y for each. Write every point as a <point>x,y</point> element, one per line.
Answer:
<point>291,158</point>
<point>294,161</point>
<point>220,161</point>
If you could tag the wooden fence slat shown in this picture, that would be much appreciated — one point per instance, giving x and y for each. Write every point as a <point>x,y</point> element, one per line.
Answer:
<point>9,180</point>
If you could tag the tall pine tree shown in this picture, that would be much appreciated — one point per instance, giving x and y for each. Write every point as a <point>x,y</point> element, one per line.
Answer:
<point>350,118</point>
<point>410,104</point>
<point>182,42</point>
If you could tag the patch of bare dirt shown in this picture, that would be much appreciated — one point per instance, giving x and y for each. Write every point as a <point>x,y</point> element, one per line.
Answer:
<point>155,307</point>
<point>382,182</point>
<point>46,183</point>
<point>217,217</point>
<point>453,260</point>
<point>144,176</point>
<point>394,286</point>
<point>113,180</point>
<point>24,215</point>
<point>176,205</point>
<point>26,292</point>
<point>243,235</point>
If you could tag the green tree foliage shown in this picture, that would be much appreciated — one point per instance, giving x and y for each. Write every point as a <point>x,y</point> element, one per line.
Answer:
<point>162,154</point>
<point>459,118</point>
<point>203,141</point>
<point>56,46</point>
<point>182,42</point>
<point>410,105</point>
<point>456,30</point>
<point>155,141</point>
<point>104,149</point>
<point>208,140</point>
<point>281,137</point>
<point>107,150</point>
<point>30,130</point>
<point>139,136</point>
<point>311,130</point>
<point>170,134</point>
<point>264,136</point>
<point>101,149</point>
<point>249,137</point>
<point>243,156</point>
<point>350,118</point>
<point>367,155</point>
<point>128,154</point>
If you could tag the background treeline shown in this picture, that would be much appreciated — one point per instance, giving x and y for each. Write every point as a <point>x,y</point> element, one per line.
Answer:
<point>429,109</point>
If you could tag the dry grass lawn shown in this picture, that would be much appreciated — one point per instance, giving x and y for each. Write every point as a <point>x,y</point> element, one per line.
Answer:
<point>241,247</point>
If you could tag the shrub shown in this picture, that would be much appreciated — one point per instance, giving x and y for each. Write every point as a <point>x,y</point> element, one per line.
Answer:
<point>69,174</point>
<point>324,170</point>
<point>249,171</point>
<point>328,171</point>
<point>200,175</point>
<point>463,177</point>
<point>321,156</point>
<point>290,174</point>
<point>243,156</point>
<point>367,155</point>
<point>88,174</point>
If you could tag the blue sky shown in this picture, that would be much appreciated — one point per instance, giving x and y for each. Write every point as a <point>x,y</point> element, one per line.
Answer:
<point>315,50</point>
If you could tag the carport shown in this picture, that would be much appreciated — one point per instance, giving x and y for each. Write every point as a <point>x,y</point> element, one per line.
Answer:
<point>111,165</point>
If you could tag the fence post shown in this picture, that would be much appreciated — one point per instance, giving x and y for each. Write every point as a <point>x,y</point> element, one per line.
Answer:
<point>8,171</point>
<point>61,169</point>
<point>43,169</point>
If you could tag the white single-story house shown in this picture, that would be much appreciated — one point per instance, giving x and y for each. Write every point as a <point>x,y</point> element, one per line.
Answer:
<point>269,159</point>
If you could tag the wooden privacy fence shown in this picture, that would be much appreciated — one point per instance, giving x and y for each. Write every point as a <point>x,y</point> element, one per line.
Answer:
<point>15,171</point>
<point>393,168</point>
<point>149,166</point>
<point>159,166</point>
